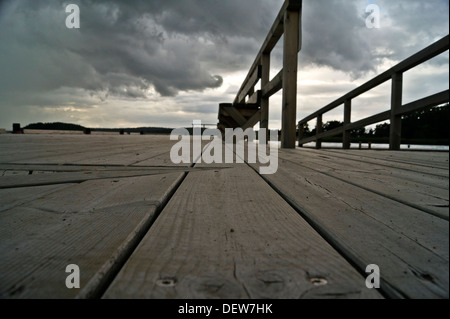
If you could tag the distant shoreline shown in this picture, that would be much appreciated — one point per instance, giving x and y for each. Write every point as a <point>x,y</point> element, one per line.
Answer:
<point>93,132</point>
<point>375,145</point>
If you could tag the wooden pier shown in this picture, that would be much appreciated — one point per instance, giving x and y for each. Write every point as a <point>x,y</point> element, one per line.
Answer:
<point>138,226</point>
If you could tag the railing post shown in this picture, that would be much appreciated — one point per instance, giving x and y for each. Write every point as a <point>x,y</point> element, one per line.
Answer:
<point>290,66</point>
<point>301,132</point>
<point>347,121</point>
<point>395,134</point>
<point>265,79</point>
<point>319,130</point>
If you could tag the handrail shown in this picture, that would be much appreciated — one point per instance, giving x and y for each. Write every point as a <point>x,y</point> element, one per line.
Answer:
<point>287,23</point>
<point>397,109</point>
<point>272,38</point>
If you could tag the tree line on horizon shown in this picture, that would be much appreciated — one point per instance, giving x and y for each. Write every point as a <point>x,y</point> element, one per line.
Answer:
<point>430,126</point>
<point>427,126</point>
<point>59,126</point>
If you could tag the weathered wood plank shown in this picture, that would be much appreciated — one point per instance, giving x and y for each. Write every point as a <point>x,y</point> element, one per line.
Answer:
<point>273,86</point>
<point>94,225</point>
<point>432,200</point>
<point>15,197</point>
<point>253,120</point>
<point>381,168</point>
<point>48,178</point>
<point>236,115</point>
<point>427,102</point>
<point>409,246</point>
<point>158,156</point>
<point>54,149</point>
<point>391,159</point>
<point>252,80</point>
<point>227,234</point>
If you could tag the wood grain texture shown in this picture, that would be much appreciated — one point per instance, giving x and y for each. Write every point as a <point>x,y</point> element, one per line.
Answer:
<point>49,178</point>
<point>92,224</point>
<point>406,187</point>
<point>18,196</point>
<point>435,163</point>
<point>423,175</point>
<point>74,149</point>
<point>227,234</point>
<point>410,247</point>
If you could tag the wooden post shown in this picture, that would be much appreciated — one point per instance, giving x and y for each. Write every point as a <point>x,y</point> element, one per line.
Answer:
<point>301,132</point>
<point>290,66</point>
<point>395,134</point>
<point>347,121</point>
<point>17,129</point>
<point>319,129</point>
<point>265,79</point>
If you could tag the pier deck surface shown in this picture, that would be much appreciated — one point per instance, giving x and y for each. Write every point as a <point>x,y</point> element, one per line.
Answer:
<point>139,226</point>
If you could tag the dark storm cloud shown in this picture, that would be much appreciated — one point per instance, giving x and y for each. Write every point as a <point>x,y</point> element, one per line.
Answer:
<point>126,48</point>
<point>335,33</point>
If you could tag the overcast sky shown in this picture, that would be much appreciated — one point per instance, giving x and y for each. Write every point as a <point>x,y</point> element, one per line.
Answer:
<point>169,62</point>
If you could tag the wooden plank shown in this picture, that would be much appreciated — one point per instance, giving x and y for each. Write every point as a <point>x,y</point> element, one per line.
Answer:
<point>436,164</point>
<point>16,197</point>
<point>226,234</point>
<point>253,120</point>
<point>380,117</point>
<point>432,200</point>
<point>321,135</point>
<point>94,225</point>
<point>131,156</point>
<point>236,115</point>
<point>15,181</point>
<point>250,83</point>
<point>410,247</point>
<point>382,168</point>
<point>273,86</point>
<point>430,101</point>
<point>54,149</point>
<point>422,56</point>
<point>53,168</point>
<point>160,161</point>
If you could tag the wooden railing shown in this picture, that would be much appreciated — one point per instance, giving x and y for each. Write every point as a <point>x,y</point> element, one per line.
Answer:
<point>251,106</point>
<point>397,109</point>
